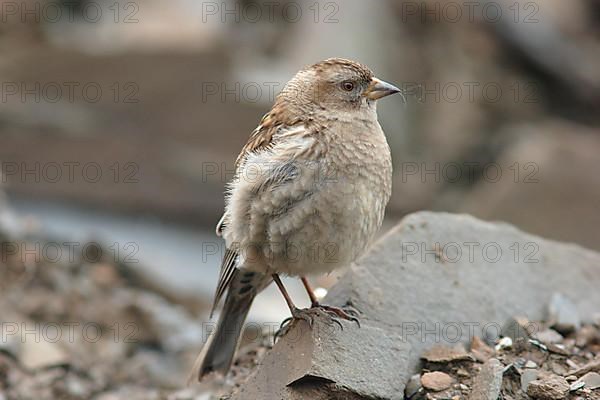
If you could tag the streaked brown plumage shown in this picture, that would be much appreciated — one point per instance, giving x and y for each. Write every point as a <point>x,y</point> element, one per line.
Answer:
<point>321,180</point>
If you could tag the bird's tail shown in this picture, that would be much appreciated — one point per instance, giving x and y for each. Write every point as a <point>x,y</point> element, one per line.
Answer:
<point>218,351</point>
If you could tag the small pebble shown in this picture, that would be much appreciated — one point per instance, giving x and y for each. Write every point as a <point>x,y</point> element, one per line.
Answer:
<point>550,388</point>
<point>558,349</point>
<point>444,354</point>
<point>436,381</point>
<point>528,376</point>
<point>572,364</point>
<point>530,364</point>
<point>549,336</point>
<point>591,380</point>
<point>413,386</point>
<point>576,386</point>
<point>504,343</point>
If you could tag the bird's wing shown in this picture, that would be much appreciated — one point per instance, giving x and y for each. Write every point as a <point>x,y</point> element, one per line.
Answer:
<point>261,138</point>
<point>225,276</point>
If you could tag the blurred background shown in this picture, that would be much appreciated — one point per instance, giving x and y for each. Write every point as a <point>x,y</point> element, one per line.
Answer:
<point>120,122</point>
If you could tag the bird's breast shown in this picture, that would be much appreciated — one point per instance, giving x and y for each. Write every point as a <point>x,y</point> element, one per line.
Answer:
<point>316,212</point>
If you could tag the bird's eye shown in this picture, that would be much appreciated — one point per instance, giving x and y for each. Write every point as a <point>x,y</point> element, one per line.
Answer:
<point>348,86</point>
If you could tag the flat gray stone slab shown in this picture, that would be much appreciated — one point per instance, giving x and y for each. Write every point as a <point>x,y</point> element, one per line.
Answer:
<point>434,278</point>
<point>302,362</point>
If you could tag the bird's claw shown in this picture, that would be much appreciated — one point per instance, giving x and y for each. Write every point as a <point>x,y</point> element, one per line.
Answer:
<point>336,312</point>
<point>297,315</point>
<point>283,328</point>
<point>309,314</point>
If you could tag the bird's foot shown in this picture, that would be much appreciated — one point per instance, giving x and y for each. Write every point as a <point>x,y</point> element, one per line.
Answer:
<point>347,313</point>
<point>330,317</point>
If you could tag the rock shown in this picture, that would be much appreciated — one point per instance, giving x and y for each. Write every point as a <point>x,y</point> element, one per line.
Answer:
<point>412,386</point>
<point>44,384</point>
<point>527,377</point>
<point>481,351</point>
<point>575,386</point>
<point>487,384</point>
<point>445,354</point>
<point>548,336</point>
<point>587,334</point>
<point>436,381</point>
<point>504,343</point>
<point>158,320</point>
<point>563,313</point>
<point>591,366</point>
<point>41,353</point>
<point>463,373</point>
<point>426,282</point>
<point>530,364</point>
<point>77,388</point>
<point>325,361</point>
<point>572,364</point>
<point>557,367</point>
<point>552,387</point>
<point>591,380</point>
<point>518,328</point>
<point>558,349</point>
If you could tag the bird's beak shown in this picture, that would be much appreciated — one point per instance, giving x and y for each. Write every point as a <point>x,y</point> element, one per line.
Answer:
<point>378,89</point>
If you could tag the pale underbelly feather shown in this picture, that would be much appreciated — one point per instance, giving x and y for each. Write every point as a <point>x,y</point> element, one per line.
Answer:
<point>312,222</point>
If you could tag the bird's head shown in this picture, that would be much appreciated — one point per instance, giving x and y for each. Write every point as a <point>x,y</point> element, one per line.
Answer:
<point>338,84</point>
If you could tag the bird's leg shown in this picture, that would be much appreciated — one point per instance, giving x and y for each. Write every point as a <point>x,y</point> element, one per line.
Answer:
<point>313,298</point>
<point>284,292</point>
<point>307,314</point>
<point>296,312</point>
<point>339,312</point>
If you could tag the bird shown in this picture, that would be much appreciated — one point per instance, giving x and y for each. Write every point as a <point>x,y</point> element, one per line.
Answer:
<point>309,193</point>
